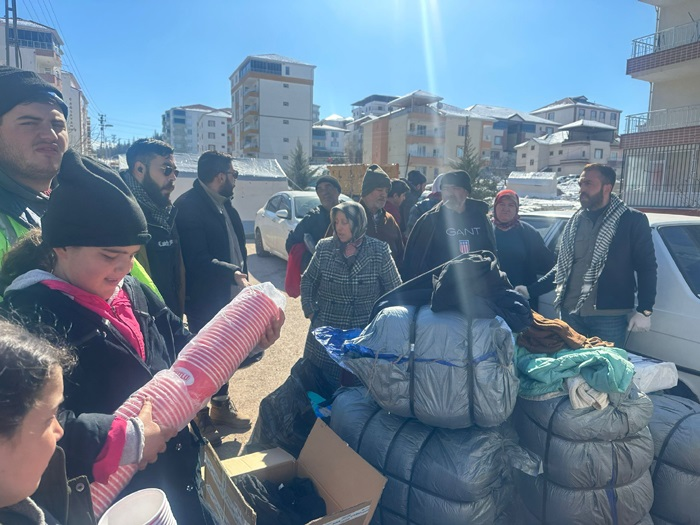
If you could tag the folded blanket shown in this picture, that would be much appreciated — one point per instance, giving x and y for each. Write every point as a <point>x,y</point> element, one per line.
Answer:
<point>547,336</point>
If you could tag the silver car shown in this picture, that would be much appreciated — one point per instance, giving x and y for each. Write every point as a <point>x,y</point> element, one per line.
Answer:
<point>675,324</point>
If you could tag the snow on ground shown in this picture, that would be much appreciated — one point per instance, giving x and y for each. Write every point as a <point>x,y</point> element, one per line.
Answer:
<point>567,201</point>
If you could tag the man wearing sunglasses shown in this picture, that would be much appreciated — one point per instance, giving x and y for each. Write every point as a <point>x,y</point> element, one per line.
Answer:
<point>151,177</point>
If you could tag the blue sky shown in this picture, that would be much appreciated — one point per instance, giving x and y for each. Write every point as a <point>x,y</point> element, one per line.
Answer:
<point>136,59</point>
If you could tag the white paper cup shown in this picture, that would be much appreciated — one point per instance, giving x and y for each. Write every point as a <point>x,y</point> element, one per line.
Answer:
<point>145,507</point>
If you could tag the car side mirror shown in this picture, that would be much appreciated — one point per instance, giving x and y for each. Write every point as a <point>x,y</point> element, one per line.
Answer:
<point>282,214</point>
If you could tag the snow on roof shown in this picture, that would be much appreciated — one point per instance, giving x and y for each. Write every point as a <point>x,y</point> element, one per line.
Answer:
<point>502,113</point>
<point>374,98</point>
<point>533,176</point>
<point>588,124</point>
<point>280,58</point>
<point>247,168</point>
<point>418,96</point>
<point>36,25</point>
<point>335,116</point>
<point>218,113</point>
<point>551,138</point>
<point>571,101</point>
<point>328,127</point>
<point>449,109</point>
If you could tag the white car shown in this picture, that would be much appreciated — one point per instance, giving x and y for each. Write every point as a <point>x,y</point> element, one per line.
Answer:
<point>280,215</point>
<point>675,323</point>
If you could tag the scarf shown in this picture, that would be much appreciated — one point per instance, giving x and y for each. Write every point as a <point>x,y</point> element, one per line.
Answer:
<point>160,216</point>
<point>565,260</point>
<point>515,221</point>
<point>355,213</point>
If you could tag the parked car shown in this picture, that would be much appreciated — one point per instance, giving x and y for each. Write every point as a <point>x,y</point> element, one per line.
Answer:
<point>280,215</point>
<point>675,331</point>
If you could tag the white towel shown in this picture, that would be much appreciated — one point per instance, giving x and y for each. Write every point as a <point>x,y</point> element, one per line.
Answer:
<point>583,395</point>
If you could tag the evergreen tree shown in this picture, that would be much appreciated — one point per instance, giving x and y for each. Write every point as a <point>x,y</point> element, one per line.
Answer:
<point>298,171</point>
<point>484,185</point>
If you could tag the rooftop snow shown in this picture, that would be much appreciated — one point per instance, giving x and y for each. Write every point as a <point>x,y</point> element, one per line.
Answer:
<point>502,113</point>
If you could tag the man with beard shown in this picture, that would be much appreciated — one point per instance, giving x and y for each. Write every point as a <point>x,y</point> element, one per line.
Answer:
<point>214,251</point>
<point>151,178</point>
<point>606,253</point>
<point>456,225</point>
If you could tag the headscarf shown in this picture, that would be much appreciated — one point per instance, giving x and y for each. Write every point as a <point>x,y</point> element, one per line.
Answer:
<point>357,218</point>
<point>510,195</point>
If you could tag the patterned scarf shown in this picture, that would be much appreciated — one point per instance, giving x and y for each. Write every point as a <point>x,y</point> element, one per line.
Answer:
<point>161,216</point>
<point>515,221</point>
<point>357,217</point>
<point>565,260</point>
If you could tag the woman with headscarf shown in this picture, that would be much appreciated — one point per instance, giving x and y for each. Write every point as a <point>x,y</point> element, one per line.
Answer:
<point>347,274</point>
<point>522,254</point>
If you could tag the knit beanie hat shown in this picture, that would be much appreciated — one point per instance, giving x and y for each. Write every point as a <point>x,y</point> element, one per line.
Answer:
<point>415,177</point>
<point>329,180</point>
<point>375,177</point>
<point>92,206</point>
<point>18,86</point>
<point>459,178</point>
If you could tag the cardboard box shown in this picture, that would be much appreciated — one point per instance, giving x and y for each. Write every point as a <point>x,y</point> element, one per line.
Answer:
<point>349,485</point>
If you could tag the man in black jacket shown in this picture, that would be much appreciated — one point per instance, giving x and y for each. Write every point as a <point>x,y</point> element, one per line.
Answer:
<point>606,253</point>
<point>456,225</point>
<point>214,251</point>
<point>416,181</point>
<point>151,178</point>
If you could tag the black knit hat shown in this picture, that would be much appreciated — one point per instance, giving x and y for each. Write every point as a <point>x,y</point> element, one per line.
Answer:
<point>415,177</point>
<point>329,180</point>
<point>92,206</point>
<point>18,86</point>
<point>375,177</point>
<point>458,178</point>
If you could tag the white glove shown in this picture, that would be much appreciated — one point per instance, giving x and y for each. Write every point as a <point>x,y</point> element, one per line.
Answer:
<point>522,290</point>
<point>639,323</point>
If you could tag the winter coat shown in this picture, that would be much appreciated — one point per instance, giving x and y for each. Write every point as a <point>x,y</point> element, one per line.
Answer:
<point>316,224</point>
<point>441,234</point>
<point>109,370</point>
<point>412,198</point>
<point>386,229</point>
<point>419,209</point>
<point>206,252</point>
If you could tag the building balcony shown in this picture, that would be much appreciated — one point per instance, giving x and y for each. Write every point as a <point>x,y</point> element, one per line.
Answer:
<point>250,109</point>
<point>671,53</point>
<point>439,134</point>
<point>250,146</point>
<point>663,119</point>
<point>252,126</point>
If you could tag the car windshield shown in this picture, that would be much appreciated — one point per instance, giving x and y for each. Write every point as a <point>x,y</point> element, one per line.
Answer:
<point>683,242</point>
<point>304,203</point>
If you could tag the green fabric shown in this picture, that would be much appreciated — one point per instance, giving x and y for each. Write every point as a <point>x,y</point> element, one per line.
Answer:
<point>140,273</point>
<point>10,232</point>
<point>605,369</point>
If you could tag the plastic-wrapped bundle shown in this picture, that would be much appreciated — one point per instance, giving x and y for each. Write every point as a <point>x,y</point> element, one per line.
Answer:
<point>203,365</point>
<point>675,427</point>
<point>595,462</point>
<point>435,475</point>
<point>457,373</point>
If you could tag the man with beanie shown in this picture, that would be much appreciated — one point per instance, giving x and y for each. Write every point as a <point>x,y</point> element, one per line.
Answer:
<point>397,195</point>
<point>312,228</point>
<point>380,224</point>
<point>416,182</point>
<point>456,225</point>
<point>151,178</point>
<point>215,256</point>
<point>33,139</point>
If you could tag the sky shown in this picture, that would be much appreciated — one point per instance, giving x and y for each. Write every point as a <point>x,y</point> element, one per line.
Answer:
<point>136,59</point>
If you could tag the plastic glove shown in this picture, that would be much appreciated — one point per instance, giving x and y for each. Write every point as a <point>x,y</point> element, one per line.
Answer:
<point>639,323</point>
<point>522,290</point>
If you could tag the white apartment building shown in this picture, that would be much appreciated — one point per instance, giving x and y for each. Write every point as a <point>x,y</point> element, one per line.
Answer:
<point>662,145</point>
<point>272,107</point>
<point>78,120</point>
<point>180,126</point>
<point>572,109</point>
<point>39,49</point>
<point>214,132</point>
<point>362,111</point>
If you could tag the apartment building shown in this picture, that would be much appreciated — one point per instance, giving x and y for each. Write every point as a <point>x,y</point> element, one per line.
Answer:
<point>363,110</point>
<point>272,107</point>
<point>569,149</point>
<point>572,109</point>
<point>78,120</point>
<point>180,126</point>
<point>328,138</point>
<point>662,145</point>
<point>38,47</point>
<point>214,132</point>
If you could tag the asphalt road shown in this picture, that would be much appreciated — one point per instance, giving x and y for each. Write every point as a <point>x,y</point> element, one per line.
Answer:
<point>249,386</point>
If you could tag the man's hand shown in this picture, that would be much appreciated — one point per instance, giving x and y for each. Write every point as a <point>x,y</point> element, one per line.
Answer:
<point>639,323</point>
<point>241,279</point>
<point>272,332</point>
<point>155,436</point>
<point>522,290</point>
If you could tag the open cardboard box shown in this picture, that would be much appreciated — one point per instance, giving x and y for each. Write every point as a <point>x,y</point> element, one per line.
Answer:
<point>349,485</point>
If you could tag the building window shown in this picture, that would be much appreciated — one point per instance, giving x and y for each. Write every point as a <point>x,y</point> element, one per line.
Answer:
<point>558,169</point>
<point>549,130</point>
<point>285,103</point>
<point>583,154</point>
<point>436,172</point>
<point>285,85</point>
<point>285,139</point>
<point>211,135</point>
<point>286,70</point>
<point>524,155</point>
<point>498,140</point>
<point>561,152</point>
<point>436,152</point>
<point>212,147</point>
<point>334,134</point>
<point>581,113</point>
<point>613,117</point>
<point>285,121</point>
<point>223,134</point>
<point>613,155</point>
<point>285,157</point>
<point>550,115</point>
<point>551,153</point>
<point>598,154</point>
<point>601,117</point>
<point>532,162</point>
<point>421,130</point>
<point>532,148</point>
<point>462,130</point>
<point>334,144</point>
<point>460,152</point>
<point>594,114</point>
<point>411,127</point>
<point>211,123</point>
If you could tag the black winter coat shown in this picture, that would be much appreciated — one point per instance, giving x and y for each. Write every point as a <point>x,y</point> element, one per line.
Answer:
<point>315,223</point>
<point>207,254</point>
<point>109,370</point>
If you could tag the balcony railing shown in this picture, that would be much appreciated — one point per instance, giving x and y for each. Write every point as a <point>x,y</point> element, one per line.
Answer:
<point>666,39</point>
<point>249,108</point>
<point>663,119</point>
<point>440,134</point>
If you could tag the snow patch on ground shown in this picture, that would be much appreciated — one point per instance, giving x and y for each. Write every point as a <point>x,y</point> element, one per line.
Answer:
<point>568,200</point>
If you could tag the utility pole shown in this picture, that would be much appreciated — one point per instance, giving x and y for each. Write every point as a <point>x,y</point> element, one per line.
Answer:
<point>11,5</point>
<point>103,125</point>
<point>466,135</point>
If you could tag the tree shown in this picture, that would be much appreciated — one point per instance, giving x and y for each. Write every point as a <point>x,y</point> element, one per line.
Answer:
<point>298,171</point>
<point>484,185</point>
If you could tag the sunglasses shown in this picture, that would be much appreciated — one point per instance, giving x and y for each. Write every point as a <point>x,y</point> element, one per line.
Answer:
<point>168,170</point>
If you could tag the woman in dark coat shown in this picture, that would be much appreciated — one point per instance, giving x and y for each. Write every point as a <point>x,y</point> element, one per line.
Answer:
<point>346,275</point>
<point>522,254</point>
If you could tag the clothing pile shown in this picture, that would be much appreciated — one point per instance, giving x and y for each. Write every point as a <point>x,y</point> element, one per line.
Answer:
<point>675,427</point>
<point>435,475</point>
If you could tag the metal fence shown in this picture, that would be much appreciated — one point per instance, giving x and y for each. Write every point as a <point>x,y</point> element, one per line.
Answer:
<point>661,119</point>
<point>666,39</point>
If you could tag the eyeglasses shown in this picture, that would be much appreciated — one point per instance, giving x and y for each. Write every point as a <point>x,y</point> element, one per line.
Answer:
<point>233,174</point>
<point>169,170</point>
